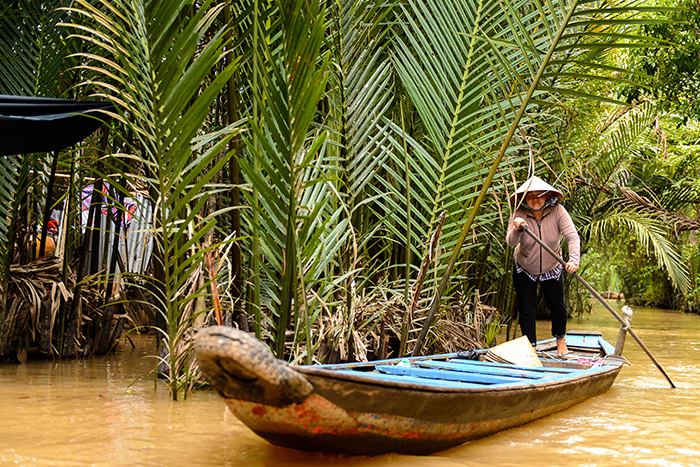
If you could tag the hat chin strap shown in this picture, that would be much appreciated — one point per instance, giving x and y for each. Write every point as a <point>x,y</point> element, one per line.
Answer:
<point>550,202</point>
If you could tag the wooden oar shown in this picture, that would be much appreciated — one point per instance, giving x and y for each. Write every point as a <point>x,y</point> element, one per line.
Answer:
<point>602,300</point>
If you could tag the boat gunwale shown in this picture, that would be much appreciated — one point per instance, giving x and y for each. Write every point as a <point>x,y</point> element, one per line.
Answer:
<point>432,386</point>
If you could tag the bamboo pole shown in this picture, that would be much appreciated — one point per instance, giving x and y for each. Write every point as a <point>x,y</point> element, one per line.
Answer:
<point>623,323</point>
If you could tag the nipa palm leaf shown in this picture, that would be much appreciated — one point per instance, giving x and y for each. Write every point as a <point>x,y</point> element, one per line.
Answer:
<point>155,61</point>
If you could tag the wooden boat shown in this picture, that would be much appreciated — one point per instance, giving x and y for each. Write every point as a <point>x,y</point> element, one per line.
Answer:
<point>418,405</point>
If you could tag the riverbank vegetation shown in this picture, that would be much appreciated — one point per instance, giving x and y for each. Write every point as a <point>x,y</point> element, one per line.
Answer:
<point>333,176</point>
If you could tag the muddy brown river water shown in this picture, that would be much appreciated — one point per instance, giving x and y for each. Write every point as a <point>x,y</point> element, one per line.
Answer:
<point>99,412</point>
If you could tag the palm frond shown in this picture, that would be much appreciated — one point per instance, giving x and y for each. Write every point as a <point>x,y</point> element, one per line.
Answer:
<point>155,64</point>
<point>361,90</point>
<point>598,32</point>
<point>286,172</point>
<point>467,81</point>
<point>611,145</point>
<point>34,52</point>
<point>638,203</point>
<point>651,232</point>
<point>8,183</point>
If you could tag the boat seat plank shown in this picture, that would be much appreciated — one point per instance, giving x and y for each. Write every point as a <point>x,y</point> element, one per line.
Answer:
<point>584,333</point>
<point>449,375</point>
<point>483,369</point>
<point>592,342</point>
<point>416,380</point>
<point>531,375</point>
<point>505,366</point>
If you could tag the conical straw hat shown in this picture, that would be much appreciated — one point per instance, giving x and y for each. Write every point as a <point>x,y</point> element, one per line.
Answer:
<point>535,184</point>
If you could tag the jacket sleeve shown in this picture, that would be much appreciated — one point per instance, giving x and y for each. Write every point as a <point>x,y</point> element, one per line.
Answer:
<point>513,235</point>
<point>568,230</point>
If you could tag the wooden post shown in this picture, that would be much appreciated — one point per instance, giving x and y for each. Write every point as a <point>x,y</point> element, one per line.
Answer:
<point>622,335</point>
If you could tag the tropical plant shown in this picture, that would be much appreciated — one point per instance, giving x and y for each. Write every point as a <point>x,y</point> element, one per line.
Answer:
<point>303,228</point>
<point>642,198</point>
<point>605,200</point>
<point>36,54</point>
<point>531,54</point>
<point>673,71</point>
<point>366,123</point>
<point>154,60</point>
<point>36,61</point>
<point>362,99</point>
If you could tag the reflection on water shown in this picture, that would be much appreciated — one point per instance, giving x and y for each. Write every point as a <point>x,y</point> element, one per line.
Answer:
<point>99,412</point>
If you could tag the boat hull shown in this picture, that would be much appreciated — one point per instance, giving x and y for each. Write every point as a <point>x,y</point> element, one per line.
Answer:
<point>358,418</point>
<point>381,407</point>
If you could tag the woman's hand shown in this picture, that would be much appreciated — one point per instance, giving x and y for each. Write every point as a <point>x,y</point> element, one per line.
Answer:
<point>571,267</point>
<point>518,222</point>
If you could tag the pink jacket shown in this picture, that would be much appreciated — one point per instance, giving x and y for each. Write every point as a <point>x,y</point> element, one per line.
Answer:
<point>555,222</point>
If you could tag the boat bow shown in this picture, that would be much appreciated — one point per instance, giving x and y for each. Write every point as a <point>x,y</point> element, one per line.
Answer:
<point>241,367</point>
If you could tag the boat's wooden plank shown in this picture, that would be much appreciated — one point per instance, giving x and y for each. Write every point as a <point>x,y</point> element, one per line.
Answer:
<point>607,346</point>
<point>481,378</point>
<point>450,375</point>
<point>416,380</point>
<point>529,369</point>
<point>583,333</point>
<point>475,367</point>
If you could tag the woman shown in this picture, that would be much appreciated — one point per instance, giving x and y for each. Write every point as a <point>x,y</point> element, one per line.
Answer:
<point>537,206</point>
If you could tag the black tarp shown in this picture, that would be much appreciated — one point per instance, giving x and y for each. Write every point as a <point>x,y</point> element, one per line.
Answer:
<point>40,124</point>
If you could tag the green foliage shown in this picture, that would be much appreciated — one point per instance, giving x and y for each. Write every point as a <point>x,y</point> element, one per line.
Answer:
<point>492,331</point>
<point>645,284</point>
<point>692,254</point>
<point>674,68</point>
<point>303,226</point>
<point>538,56</point>
<point>601,263</point>
<point>364,122</point>
<point>650,214</point>
<point>609,162</point>
<point>9,168</point>
<point>35,52</point>
<point>154,60</point>
<point>578,297</point>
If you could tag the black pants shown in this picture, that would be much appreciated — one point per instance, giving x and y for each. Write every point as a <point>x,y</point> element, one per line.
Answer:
<point>553,290</point>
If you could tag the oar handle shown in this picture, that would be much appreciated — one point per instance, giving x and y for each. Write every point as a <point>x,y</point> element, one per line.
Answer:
<point>525,229</point>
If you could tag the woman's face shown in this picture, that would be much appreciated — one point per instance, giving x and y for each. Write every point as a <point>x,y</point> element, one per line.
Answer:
<point>536,199</point>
